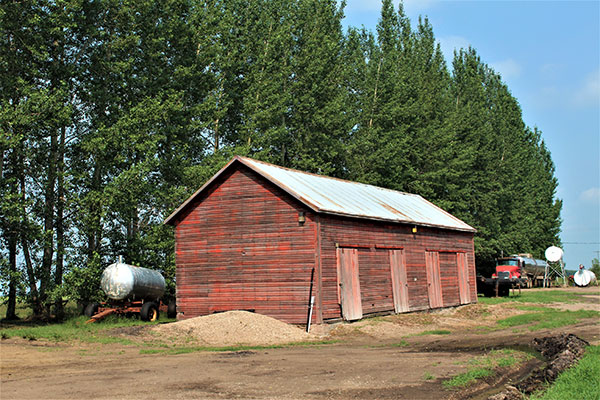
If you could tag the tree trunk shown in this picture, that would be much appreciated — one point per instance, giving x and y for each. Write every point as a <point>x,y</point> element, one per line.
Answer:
<point>11,309</point>
<point>375,93</point>
<point>31,279</point>
<point>95,232</point>
<point>60,228</point>
<point>49,207</point>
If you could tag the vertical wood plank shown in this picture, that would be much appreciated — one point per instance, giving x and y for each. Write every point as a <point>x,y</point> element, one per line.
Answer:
<point>318,266</point>
<point>463,278</point>
<point>350,284</point>
<point>432,265</point>
<point>399,280</point>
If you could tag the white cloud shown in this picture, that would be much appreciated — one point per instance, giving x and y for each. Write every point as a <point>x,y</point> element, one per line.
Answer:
<point>450,43</point>
<point>508,68</point>
<point>591,195</point>
<point>589,91</point>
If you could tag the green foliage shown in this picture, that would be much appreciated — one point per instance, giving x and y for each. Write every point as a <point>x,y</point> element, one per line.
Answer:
<point>578,382</point>
<point>596,268</point>
<point>112,114</point>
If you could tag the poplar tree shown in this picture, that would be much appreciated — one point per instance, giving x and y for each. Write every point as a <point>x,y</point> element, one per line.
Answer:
<point>113,113</point>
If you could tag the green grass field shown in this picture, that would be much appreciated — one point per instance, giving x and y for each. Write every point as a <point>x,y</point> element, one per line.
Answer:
<point>579,382</point>
<point>547,319</point>
<point>482,367</point>
<point>75,328</point>
<point>538,296</point>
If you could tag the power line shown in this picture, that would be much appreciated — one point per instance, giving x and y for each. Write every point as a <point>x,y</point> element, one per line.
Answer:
<point>581,242</point>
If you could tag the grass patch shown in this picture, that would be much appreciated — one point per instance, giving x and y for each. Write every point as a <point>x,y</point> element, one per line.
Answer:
<point>482,367</point>
<point>468,378</point>
<point>76,329</point>
<point>435,332</point>
<point>428,376</point>
<point>531,308</point>
<point>536,296</point>
<point>547,319</point>
<point>482,330</point>
<point>578,382</point>
<point>402,343</point>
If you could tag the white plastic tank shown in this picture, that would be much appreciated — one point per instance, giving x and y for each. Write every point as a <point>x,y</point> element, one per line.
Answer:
<point>123,281</point>
<point>584,277</point>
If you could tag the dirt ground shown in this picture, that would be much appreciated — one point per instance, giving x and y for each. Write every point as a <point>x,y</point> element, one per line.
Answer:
<point>378,358</point>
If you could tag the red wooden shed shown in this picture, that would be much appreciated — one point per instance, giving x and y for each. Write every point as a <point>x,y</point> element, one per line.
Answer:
<point>264,238</point>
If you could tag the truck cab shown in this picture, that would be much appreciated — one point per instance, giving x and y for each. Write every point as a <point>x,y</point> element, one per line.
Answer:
<point>508,268</point>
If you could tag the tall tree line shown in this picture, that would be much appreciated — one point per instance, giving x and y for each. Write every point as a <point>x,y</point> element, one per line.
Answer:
<point>113,112</point>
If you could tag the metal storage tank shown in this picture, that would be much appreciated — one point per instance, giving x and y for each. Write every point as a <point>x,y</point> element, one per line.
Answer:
<point>123,281</point>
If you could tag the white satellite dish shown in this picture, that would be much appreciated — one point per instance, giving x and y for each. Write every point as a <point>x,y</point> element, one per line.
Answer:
<point>554,254</point>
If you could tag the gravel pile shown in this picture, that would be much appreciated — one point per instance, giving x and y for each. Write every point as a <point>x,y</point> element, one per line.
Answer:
<point>234,328</point>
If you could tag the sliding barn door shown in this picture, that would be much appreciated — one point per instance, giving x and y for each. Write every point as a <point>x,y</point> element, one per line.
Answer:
<point>434,286</point>
<point>399,281</point>
<point>463,278</point>
<point>349,284</point>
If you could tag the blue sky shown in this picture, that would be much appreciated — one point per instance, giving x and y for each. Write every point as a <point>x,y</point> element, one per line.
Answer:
<point>548,53</point>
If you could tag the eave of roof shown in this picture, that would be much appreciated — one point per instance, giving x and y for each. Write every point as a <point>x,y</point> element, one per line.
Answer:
<point>364,201</point>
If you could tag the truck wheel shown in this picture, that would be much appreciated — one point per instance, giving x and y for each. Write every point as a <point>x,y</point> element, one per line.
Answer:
<point>91,309</point>
<point>172,309</point>
<point>149,312</point>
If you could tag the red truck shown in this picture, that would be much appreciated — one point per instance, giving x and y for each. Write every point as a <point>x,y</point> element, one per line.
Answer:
<point>516,271</point>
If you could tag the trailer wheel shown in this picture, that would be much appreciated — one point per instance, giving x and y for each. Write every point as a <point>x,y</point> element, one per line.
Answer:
<point>149,312</point>
<point>91,309</point>
<point>172,309</point>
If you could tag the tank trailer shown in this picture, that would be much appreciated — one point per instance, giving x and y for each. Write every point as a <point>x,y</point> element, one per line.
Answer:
<point>517,271</point>
<point>131,290</point>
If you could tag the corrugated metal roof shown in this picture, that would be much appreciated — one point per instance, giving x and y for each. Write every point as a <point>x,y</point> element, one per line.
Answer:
<point>336,196</point>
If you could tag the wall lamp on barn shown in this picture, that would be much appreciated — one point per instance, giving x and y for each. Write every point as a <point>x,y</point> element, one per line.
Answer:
<point>414,229</point>
<point>301,217</point>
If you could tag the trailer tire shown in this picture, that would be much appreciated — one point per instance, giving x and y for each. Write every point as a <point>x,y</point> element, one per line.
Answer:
<point>172,309</point>
<point>149,312</point>
<point>91,309</point>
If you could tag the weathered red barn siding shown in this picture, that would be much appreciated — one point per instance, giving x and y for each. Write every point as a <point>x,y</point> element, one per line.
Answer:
<point>449,278</point>
<point>375,280</point>
<point>374,240</point>
<point>240,247</point>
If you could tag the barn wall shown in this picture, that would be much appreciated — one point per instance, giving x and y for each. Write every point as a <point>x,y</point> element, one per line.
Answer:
<point>374,240</point>
<point>241,247</point>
